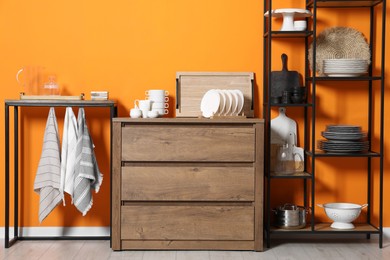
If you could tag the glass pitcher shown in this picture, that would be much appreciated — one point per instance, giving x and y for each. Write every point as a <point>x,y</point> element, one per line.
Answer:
<point>31,79</point>
<point>286,159</point>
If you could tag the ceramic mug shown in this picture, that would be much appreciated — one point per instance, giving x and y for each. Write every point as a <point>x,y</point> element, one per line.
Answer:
<point>143,104</point>
<point>161,111</point>
<point>157,92</point>
<point>153,114</point>
<point>158,99</point>
<point>159,105</point>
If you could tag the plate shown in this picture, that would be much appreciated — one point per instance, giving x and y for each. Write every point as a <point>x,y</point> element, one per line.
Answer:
<point>339,43</point>
<point>222,102</point>
<point>343,75</point>
<point>234,103</point>
<point>240,100</point>
<point>210,103</point>
<point>229,101</point>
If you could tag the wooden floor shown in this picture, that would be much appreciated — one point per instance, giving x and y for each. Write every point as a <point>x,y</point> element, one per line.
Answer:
<point>281,249</point>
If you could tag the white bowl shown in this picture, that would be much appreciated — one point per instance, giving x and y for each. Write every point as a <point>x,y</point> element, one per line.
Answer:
<point>300,25</point>
<point>342,214</point>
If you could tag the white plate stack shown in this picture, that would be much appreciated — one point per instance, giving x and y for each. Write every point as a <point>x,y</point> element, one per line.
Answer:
<point>345,67</point>
<point>222,102</point>
<point>159,98</point>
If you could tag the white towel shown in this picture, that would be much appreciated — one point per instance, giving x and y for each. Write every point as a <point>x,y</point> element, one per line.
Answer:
<point>47,179</point>
<point>68,153</point>
<point>87,172</point>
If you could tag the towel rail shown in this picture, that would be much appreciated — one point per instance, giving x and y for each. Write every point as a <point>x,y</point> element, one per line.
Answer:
<point>39,103</point>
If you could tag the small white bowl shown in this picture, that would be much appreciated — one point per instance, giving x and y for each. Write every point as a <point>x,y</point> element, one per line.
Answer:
<point>300,25</point>
<point>153,114</point>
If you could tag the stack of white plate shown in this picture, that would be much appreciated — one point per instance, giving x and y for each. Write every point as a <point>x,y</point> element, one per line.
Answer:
<point>222,102</point>
<point>345,67</point>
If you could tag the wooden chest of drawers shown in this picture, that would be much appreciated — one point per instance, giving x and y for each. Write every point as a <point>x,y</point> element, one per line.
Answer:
<point>187,184</point>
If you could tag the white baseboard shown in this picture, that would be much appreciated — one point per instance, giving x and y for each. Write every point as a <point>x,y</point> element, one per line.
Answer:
<point>59,232</point>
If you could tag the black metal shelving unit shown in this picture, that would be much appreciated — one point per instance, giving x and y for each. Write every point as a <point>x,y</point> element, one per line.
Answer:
<point>374,157</point>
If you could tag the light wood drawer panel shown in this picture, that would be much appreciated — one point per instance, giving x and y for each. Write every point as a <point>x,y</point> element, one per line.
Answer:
<point>168,183</point>
<point>206,143</point>
<point>187,222</point>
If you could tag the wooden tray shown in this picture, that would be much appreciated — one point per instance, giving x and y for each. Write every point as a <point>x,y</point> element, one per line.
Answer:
<point>191,86</point>
<point>51,97</point>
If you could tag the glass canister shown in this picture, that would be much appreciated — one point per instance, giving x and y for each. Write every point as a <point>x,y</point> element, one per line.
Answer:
<point>51,87</point>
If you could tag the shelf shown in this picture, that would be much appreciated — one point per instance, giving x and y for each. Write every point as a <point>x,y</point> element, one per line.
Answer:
<point>325,228</point>
<point>289,34</point>
<point>344,3</point>
<point>297,175</point>
<point>374,83</point>
<point>290,105</point>
<point>364,78</point>
<point>64,103</point>
<point>319,153</point>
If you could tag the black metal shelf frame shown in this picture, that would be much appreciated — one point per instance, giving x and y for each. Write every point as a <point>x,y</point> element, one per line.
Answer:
<point>37,103</point>
<point>310,127</point>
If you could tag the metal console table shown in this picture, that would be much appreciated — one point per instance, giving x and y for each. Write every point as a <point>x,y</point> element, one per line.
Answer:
<point>37,103</point>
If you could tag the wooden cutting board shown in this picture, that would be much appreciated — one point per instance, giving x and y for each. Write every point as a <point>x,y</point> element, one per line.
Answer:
<point>191,86</point>
<point>284,79</point>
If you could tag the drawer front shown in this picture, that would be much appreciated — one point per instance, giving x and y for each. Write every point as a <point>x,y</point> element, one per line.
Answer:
<point>168,183</point>
<point>187,222</point>
<point>188,143</point>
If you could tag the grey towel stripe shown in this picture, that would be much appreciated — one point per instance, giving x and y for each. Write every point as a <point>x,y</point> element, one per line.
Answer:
<point>47,179</point>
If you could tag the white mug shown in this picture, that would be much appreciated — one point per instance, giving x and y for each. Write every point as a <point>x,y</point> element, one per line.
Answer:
<point>143,104</point>
<point>145,113</point>
<point>161,111</point>
<point>153,114</point>
<point>159,99</point>
<point>159,105</point>
<point>157,92</point>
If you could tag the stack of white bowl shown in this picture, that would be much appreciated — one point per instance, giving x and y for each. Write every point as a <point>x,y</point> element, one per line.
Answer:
<point>159,98</point>
<point>345,67</point>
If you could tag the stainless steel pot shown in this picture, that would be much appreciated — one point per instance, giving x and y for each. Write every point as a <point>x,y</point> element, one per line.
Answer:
<point>290,216</point>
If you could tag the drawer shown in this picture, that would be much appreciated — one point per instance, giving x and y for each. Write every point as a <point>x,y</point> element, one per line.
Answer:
<point>187,222</point>
<point>169,183</point>
<point>188,143</point>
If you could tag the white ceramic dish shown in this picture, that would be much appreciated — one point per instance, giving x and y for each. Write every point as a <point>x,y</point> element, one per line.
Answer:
<point>234,103</point>
<point>288,15</point>
<point>229,102</point>
<point>210,103</point>
<point>240,100</point>
<point>222,102</point>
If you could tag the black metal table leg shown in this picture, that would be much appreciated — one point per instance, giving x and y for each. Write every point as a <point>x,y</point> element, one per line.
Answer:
<point>6,210</point>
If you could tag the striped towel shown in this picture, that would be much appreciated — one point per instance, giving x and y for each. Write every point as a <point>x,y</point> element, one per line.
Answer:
<point>87,172</point>
<point>68,153</point>
<point>47,179</point>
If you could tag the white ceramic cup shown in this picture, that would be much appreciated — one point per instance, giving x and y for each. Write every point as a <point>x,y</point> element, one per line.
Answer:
<point>161,111</point>
<point>300,25</point>
<point>153,114</point>
<point>157,92</point>
<point>135,113</point>
<point>143,104</point>
<point>159,105</point>
<point>145,113</point>
<point>157,99</point>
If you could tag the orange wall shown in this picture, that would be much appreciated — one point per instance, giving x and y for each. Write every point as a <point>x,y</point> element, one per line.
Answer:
<point>127,47</point>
